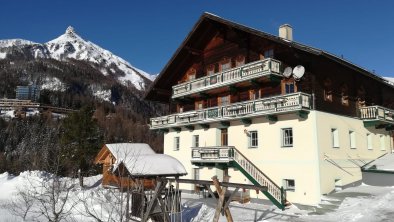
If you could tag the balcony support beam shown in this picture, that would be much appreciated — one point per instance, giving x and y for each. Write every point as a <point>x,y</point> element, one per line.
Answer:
<point>189,127</point>
<point>246,121</point>
<point>165,130</point>
<point>225,124</point>
<point>204,126</point>
<point>177,129</point>
<point>272,118</point>
<point>303,114</point>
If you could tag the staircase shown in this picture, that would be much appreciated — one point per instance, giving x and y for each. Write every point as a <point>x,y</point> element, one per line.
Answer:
<point>234,158</point>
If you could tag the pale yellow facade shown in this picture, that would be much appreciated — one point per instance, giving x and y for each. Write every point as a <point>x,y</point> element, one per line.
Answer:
<point>312,161</point>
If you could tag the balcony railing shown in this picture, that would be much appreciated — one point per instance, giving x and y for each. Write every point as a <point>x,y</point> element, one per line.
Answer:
<point>371,113</point>
<point>265,106</point>
<point>228,77</point>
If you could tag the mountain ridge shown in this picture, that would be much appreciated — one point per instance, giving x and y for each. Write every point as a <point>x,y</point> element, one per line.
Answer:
<point>72,46</point>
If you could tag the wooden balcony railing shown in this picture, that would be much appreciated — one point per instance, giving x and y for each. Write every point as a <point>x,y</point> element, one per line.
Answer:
<point>265,106</point>
<point>246,72</point>
<point>371,113</point>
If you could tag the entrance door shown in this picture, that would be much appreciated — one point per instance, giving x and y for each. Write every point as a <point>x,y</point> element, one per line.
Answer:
<point>224,137</point>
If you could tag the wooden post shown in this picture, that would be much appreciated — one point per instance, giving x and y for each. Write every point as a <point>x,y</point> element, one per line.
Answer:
<point>220,205</point>
<point>152,203</point>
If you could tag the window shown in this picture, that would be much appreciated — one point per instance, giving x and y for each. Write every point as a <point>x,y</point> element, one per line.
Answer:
<point>196,173</point>
<point>352,137</point>
<point>211,70</point>
<point>199,105</point>
<point>328,95</point>
<point>344,94</point>
<point>240,60</point>
<point>254,94</point>
<point>224,100</point>
<point>225,64</point>
<point>176,143</point>
<point>335,138</point>
<point>196,140</point>
<point>269,53</point>
<point>253,139</point>
<point>328,90</point>
<point>382,143</point>
<point>289,184</point>
<point>289,87</point>
<point>287,137</point>
<point>369,141</point>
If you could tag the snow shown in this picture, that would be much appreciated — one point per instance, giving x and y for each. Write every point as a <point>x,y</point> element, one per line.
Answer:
<point>385,162</point>
<point>53,84</point>
<point>104,95</point>
<point>138,159</point>
<point>390,80</point>
<point>71,45</point>
<point>363,203</point>
<point>122,150</point>
<point>142,165</point>
<point>15,42</point>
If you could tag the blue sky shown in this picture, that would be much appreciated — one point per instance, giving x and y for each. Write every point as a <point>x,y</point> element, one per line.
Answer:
<point>147,33</point>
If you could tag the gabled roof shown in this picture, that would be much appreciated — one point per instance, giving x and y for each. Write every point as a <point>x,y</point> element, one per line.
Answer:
<point>140,160</point>
<point>160,85</point>
<point>152,165</point>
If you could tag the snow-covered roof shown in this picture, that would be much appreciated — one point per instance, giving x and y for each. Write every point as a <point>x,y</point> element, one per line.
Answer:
<point>124,150</point>
<point>139,159</point>
<point>385,162</point>
<point>390,80</point>
<point>152,165</point>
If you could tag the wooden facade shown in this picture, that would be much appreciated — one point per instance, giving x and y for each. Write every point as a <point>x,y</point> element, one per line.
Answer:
<point>119,178</point>
<point>216,44</point>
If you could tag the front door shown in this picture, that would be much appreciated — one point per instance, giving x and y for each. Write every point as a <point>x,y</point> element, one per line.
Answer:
<point>224,137</point>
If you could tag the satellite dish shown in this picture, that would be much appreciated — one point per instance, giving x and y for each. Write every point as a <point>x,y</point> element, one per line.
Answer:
<point>298,72</point>
<point>287,72</point>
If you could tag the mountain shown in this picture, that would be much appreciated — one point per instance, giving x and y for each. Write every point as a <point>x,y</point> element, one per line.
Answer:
<point>71,46</point>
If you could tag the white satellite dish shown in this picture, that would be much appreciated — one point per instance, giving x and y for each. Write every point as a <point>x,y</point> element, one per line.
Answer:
<point>287,72</point>
<point>298,72</point>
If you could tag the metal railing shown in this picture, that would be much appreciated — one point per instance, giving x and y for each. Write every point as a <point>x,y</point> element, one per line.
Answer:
<point>230,153</point>
<point>377,113</point>
<point>263,106</point>
<point>246,72</point>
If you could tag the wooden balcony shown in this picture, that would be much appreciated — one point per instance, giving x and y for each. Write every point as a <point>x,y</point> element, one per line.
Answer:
<point>248,71</point>
<point>270,106</point>
<point>377,116</point>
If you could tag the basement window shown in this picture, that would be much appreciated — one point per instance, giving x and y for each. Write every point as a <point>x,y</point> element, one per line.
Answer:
<point>289,184</point>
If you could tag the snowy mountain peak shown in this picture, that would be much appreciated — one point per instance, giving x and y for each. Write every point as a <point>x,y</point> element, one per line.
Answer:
<point>71,46</point>
<point>70,30</point>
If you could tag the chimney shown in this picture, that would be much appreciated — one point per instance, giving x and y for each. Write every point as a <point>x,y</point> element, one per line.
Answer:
<point>286,32</point>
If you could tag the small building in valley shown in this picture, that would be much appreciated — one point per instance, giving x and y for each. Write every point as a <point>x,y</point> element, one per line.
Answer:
<point>123,162</point>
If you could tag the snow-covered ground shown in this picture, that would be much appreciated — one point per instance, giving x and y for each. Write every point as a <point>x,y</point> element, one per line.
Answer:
<point>363,203</point>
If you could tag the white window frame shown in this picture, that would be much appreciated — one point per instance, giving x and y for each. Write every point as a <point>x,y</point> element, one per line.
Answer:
<point>177,142</point>
<point>352,139</point>
<point>382,141</point>
<point>196,173</point>
<point>287,184</point>
<point>253,142</point>
<point>335,137</point>
<point>369,141</point>
<point>287,140</point>
<point>196,140</point>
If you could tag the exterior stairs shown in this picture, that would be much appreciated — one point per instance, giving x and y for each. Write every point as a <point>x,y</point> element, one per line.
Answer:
<point>231,157</point>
